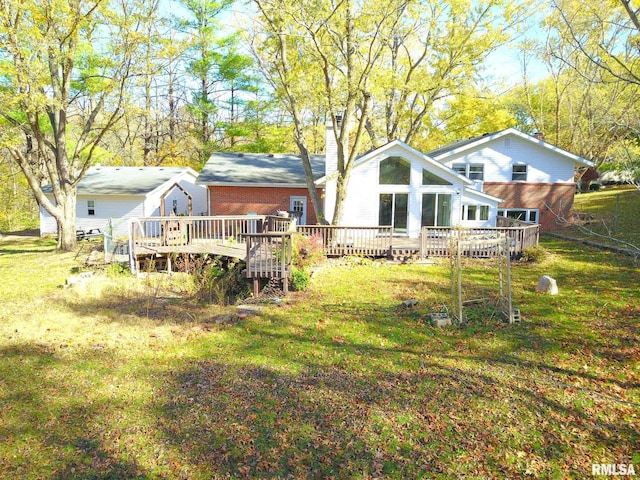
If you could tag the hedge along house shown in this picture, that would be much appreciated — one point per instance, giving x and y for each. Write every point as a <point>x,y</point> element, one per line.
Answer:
<point>259,183</point>
<point>399,186</point>
<point>534,179</point>
<point>120,193</point>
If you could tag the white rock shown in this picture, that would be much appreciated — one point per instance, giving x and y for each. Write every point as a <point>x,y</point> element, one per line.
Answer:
<point>547,285</point>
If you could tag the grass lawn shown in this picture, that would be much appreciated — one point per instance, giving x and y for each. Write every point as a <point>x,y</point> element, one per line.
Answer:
<point>130,378</point>
<point>615,213</point>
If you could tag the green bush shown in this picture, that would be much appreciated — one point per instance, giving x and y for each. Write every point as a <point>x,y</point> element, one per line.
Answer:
<point>117,269</point>
<point>300,279</point>
<point>534,254</point>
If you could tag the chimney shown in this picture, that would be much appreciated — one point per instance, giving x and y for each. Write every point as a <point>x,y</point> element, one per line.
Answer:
<point>330,167</point>
<point>331,147</point>
<point>539,136</point>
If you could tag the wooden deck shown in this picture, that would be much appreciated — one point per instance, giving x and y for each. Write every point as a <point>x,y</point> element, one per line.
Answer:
<point>265,243</point>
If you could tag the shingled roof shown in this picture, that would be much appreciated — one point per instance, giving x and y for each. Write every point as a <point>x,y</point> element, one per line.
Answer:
<point>258,169</point>
<point>125,180</point>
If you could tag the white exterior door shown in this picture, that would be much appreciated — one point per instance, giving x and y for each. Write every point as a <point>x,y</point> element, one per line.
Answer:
<point>299,205</point>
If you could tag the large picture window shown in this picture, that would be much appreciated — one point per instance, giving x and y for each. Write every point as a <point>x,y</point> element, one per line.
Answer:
<point>429,178</point>
<point>395,171</point>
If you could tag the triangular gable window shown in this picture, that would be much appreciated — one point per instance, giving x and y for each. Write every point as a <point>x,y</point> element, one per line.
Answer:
<point>394,171</point>
<point>429,178</point>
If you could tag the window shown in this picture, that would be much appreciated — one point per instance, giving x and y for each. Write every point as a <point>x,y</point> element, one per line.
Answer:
<point>436,210</point>
<point>460,168</point>
<point>475,212</point>
<point>522,214</point>
<point>91,207</point>
<point>394,171</point>
<point>476,172</point>
<point>519,173</point>
<point>473,171</point>
<point>472,210</point>
<point>429,178</point>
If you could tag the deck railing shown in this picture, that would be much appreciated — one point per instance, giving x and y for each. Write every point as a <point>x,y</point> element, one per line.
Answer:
<point>338,241</point>
<point>177,231</point>
<point>269,256</point>
<point>436,241</point>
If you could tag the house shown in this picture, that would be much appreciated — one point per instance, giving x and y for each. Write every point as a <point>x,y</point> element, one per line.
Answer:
<point>120,193</point>
<point>466,184</point>
<point>400,186</point>
<point>534,179</point>
<point>393,185</point>
<point>259,183</point>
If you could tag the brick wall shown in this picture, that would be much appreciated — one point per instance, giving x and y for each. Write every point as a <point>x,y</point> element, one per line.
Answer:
<point>261,200</point>
<point>558,196</point>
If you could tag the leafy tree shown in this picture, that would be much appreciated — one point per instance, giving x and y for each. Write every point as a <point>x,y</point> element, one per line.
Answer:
<point>19,210</point>
<point>580,106</point>
<point>203,35</point>
<point>384,67</point>
<point>64,71</point>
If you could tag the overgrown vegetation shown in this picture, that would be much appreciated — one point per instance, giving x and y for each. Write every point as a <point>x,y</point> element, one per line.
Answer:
<point>608,216</point>
<point>534,254</point>
<point>307,253</point>
<point>217,279</point>
<point>129,378</point>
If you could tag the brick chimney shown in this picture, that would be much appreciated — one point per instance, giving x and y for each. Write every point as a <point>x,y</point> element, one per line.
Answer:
<point>539,136</point>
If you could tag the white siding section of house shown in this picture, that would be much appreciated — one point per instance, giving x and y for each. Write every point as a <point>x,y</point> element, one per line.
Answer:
<point>499,156</point>
<point>360,208</point>
<point>106,207</point>
<point>116,209</point>
<point>362,205</point>
<point>120,208</point>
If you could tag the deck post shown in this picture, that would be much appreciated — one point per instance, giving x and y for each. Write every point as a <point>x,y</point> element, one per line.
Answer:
<point>256,287</point>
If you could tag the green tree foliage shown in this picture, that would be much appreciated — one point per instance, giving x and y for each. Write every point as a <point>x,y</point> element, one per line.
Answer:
<point>64,71</point>
<point>19,208</point>
<point>587,103</point>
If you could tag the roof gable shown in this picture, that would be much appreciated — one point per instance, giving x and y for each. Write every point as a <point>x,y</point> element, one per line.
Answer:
<point>396,147</point>
<point>443,153</point>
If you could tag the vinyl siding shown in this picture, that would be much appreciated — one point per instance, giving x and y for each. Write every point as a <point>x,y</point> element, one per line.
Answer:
<point>498,157</point>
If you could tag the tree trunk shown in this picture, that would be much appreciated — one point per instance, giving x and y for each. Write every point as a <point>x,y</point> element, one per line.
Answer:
<point>67,223</point>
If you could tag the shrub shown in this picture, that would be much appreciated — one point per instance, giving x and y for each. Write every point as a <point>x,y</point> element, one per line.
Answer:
<point>308,250</point>
<point>117,269</point>
<point>534,254</point>
<point>300,279</point>
<point>219,279</point>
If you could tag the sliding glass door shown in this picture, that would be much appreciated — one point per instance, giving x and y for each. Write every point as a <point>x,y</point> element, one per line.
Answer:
<point>394,210</point>
<point>436,210</point>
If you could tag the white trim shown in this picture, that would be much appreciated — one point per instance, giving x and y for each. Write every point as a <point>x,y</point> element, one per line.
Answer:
<point>434,165</point>
<point>517,133</point>
<point>303,199</point>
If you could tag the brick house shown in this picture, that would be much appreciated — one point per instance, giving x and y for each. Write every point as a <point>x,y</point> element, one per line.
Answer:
<point>534,179</point>
<point>259,183</point>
